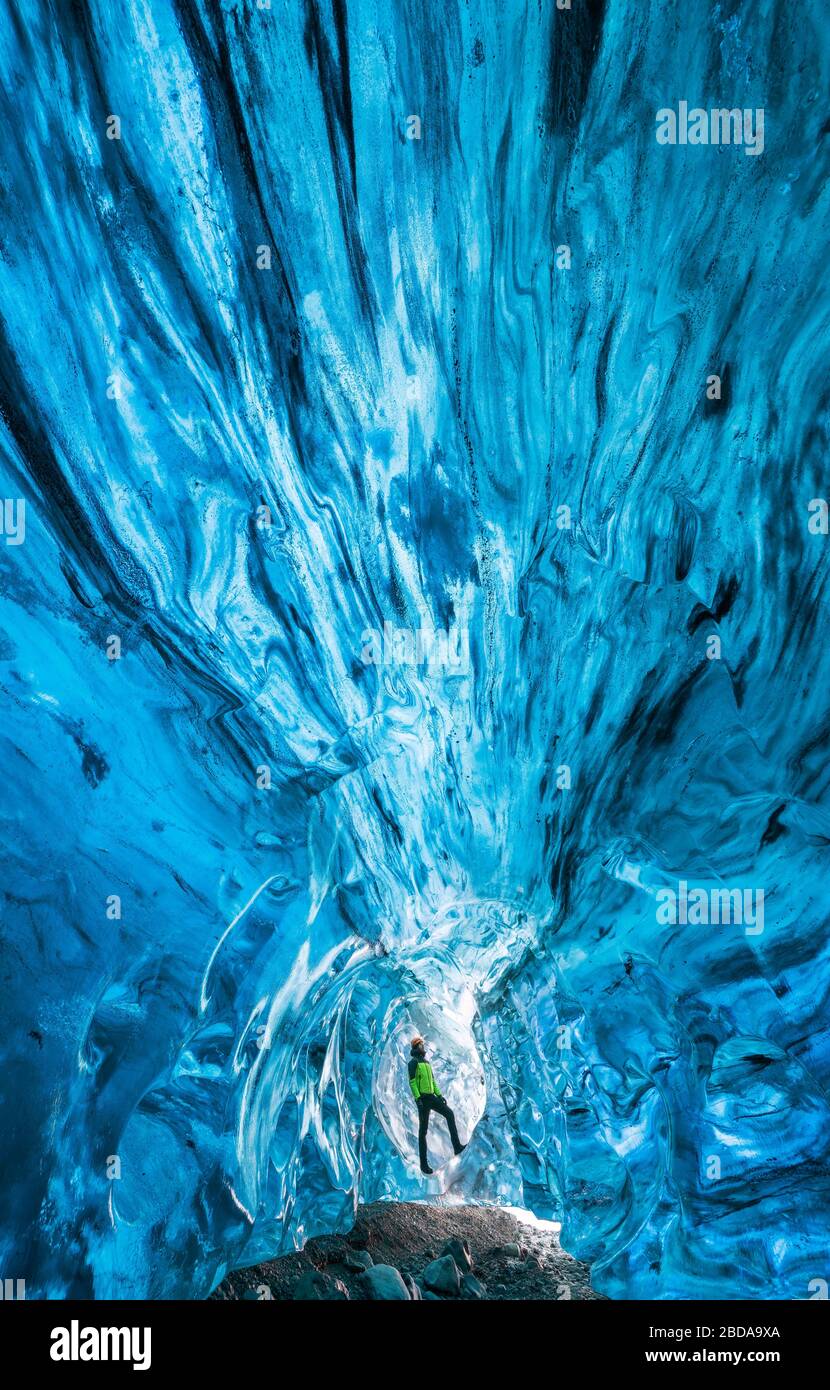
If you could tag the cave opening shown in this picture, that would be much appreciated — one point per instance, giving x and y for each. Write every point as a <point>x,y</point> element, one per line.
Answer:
<point>458,1068</point>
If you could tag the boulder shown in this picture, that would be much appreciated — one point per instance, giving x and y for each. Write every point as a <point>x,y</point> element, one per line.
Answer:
<point>512,1251</point>
<point>460,1251</point>
<point>320,1287</point>
<point>414,1290</point>
<point>442,1275</point>
<point>472,1287</point>
<point>384,1283</point>
<point>357,1260</point>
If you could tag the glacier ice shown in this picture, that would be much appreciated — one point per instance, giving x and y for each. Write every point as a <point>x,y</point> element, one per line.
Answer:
<point>330,319</point>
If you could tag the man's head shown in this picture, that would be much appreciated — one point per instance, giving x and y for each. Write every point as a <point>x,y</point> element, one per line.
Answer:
<point>418,1045</point>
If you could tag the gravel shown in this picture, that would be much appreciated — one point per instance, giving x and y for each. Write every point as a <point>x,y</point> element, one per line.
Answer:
<point>407,1235</point>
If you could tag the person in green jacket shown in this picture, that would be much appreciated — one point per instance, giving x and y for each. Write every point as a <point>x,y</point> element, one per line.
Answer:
<point>424,1088</point>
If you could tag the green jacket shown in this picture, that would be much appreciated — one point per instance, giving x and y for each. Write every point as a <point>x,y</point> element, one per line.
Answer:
<point>421,1080</point>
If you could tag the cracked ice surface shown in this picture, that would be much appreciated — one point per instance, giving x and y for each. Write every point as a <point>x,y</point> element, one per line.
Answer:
<point>275,376</point>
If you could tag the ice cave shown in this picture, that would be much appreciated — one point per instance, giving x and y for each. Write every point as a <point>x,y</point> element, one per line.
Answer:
<point>292,353</point>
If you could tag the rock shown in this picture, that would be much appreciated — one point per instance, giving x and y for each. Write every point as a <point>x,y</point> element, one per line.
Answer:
<point>414,1290</point>
<point>250,1296</point>
<point>512,1251</point>
<point>460,1251</point>
<point>533,1262</point>
<point>442,1275</point>
<point>383,1282</point>
<point>358,1260</point>
<point>429,1294</point>
<point>358,1236</point>
<point>472,1287</point>
<point>429,1254</point>
<point>320,1287</point>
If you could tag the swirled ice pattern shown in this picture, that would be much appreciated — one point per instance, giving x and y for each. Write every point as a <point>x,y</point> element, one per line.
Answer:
<point>280,367</point>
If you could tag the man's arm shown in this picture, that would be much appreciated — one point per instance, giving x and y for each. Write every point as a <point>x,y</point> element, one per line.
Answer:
<point>413,1080</point>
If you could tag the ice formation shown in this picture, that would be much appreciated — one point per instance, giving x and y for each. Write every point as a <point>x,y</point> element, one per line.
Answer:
<point>412,566</point>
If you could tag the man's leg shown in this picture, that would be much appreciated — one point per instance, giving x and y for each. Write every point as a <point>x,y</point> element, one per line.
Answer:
<point>439,1104</point>
<point>423,1126</point>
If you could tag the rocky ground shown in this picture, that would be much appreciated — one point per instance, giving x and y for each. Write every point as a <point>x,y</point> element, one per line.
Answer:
<point>415,1250</point>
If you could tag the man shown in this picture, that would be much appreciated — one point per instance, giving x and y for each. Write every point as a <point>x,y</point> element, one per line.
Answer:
<point>427,1098</point>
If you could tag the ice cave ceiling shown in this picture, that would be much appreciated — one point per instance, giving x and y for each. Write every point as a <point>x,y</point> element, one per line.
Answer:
<point>391,610</point>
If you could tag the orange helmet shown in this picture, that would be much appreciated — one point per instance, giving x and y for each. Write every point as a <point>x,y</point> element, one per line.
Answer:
<point>417,1041</point>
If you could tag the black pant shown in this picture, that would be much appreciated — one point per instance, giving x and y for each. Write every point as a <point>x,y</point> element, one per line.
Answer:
<point>425,1105</point>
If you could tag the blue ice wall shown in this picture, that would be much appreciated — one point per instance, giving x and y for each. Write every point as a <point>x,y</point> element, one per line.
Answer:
<point>398,611</point>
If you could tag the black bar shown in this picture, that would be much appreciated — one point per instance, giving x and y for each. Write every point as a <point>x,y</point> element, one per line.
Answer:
<point>585,1338</point>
